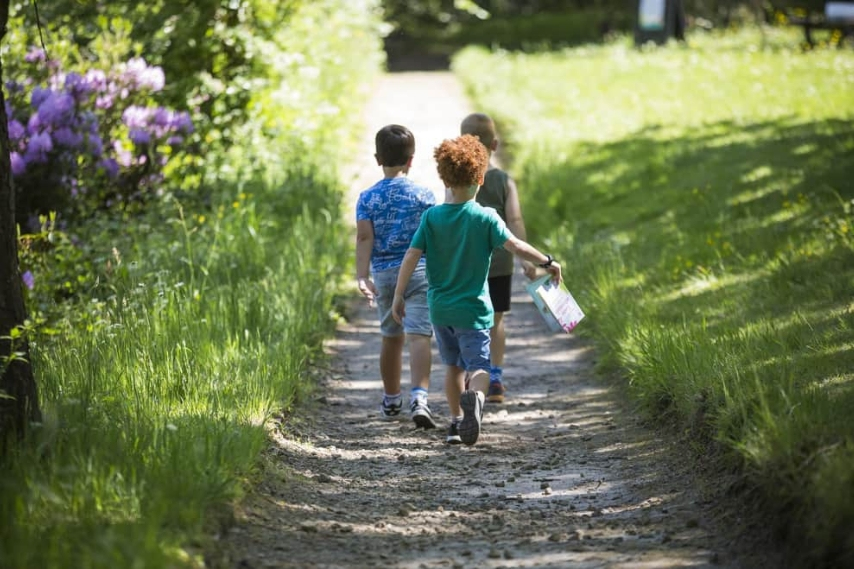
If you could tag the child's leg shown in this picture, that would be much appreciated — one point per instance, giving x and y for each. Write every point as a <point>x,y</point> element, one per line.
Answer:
<point>479,381</point>
<point>420,360</point>
<point>500,289</point>
<point>498,341</point>
<point>391,362</point>
<point>474,346</point>
<point>454,384</point>
<point>419,330</point>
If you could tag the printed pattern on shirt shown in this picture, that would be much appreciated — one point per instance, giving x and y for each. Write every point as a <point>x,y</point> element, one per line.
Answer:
<point>394,207</point>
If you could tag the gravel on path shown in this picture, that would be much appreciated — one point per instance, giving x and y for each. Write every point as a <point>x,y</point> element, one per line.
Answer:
<point>564,475</point>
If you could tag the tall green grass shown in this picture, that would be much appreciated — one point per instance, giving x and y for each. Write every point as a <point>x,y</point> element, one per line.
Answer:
<point>701,199</point>
<point>156,398</point>
<point>206,316</point>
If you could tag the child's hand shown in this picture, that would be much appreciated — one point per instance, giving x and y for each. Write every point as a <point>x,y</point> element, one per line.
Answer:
<point>368,290</point>
<point>529,269</point>
<point>554,271</point>
<point>398,310</point>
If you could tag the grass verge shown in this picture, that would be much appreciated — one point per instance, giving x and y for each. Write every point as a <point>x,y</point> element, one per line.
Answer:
<point>701,199</point>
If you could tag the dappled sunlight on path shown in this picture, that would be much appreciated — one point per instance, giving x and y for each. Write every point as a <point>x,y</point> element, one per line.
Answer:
<point>562,476</point>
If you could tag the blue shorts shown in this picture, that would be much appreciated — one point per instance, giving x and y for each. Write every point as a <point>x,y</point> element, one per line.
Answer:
<point>417,319</point>
<point>463,347</point>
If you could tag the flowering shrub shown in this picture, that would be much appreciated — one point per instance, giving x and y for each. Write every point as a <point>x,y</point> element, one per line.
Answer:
<point>87,141</point>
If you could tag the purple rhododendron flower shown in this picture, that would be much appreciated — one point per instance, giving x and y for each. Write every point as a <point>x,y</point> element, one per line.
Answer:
<point>153,78</point>
<point>138,74</point>
<point>66,137</point>
<point>19,165</point>
<point>136,117</point>
<point>38,147</point>
<point>139,136</point>
<point>77,86</point>
<point>29,279</point>
<point>96,80</point>
<point>183,122</point>
<point>96,145</point>
<point>109,166</point>
<point>57,109</point>
<point>162,117</point>
<point>38,96</point>
<point>104,102</point>
<point>35,54</point>
<point>14,87</point>
<point>175,140</point>
<point>35,124</point>
<point>16,131</point>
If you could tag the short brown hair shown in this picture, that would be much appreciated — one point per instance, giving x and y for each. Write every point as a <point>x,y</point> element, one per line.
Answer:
<point>481,126</point>
<point>395,145</point>
<point>461,162</point>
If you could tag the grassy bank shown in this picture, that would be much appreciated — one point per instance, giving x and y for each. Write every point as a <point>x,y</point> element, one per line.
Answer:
<point>702,200</point>
<point>203,320</point>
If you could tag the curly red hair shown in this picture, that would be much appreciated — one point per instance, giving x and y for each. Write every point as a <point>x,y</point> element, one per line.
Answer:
<point>462,161</point>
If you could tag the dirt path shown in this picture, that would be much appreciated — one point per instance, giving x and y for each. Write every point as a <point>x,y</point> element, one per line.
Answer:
<point>563,475</point>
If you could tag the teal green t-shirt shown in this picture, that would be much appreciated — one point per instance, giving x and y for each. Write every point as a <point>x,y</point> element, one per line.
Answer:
<point>458,240</point>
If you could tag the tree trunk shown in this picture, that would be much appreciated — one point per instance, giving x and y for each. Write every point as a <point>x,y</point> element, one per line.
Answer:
<point>19,404</point>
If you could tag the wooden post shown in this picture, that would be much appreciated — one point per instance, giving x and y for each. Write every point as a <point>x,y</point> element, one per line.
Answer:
<point>19,405</point>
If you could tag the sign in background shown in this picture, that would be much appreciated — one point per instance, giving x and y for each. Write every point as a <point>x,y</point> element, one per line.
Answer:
<point>659,20</point>
<point>651,15</point>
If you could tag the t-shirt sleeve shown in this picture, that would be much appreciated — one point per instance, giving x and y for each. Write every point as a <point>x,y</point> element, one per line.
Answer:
<point>362,211</point>
<point>419,240</point>
<point>499,233</point>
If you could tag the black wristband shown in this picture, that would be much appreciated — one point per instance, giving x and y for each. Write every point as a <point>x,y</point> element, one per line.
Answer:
<point>548,263</point>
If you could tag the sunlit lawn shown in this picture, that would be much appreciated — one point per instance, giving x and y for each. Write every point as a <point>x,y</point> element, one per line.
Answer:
<point>701,197</point>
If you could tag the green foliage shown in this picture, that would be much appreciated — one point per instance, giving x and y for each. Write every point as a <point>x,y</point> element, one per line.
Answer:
<point>163,341</point>
<point>544,30</point>
<point>702,203</point>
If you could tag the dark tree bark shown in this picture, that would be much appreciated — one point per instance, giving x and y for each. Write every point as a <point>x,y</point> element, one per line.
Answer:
<point>18,396</point>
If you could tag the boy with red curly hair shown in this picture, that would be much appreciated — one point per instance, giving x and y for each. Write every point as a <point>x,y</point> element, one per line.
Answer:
<point>457,238</point>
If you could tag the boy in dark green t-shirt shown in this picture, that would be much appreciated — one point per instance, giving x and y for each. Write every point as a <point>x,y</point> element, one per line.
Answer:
<point>499,192</point>
<point>457,239</point>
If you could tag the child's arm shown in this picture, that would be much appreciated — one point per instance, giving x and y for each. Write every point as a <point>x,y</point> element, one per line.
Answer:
<point>526,251</point>
<point>515,223</point>
<point>410,261</point>
<point>364,247</point>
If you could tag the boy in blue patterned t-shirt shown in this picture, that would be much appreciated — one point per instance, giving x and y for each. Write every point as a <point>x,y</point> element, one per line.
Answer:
<point>387,215</point>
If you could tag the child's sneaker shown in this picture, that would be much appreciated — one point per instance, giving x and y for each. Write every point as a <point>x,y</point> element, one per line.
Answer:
<point>496,392</point>
<point>390,408</point>
<point>472,404</point>
<point>453,437</point>
<point>421,414</point>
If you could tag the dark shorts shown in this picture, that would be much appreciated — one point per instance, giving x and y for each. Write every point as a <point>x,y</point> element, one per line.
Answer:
<point>499,292</point>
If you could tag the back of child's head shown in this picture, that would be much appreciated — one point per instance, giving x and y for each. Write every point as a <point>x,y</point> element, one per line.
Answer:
<point>395,145</point>
<point>462,161</point>
<point>481,126</point>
